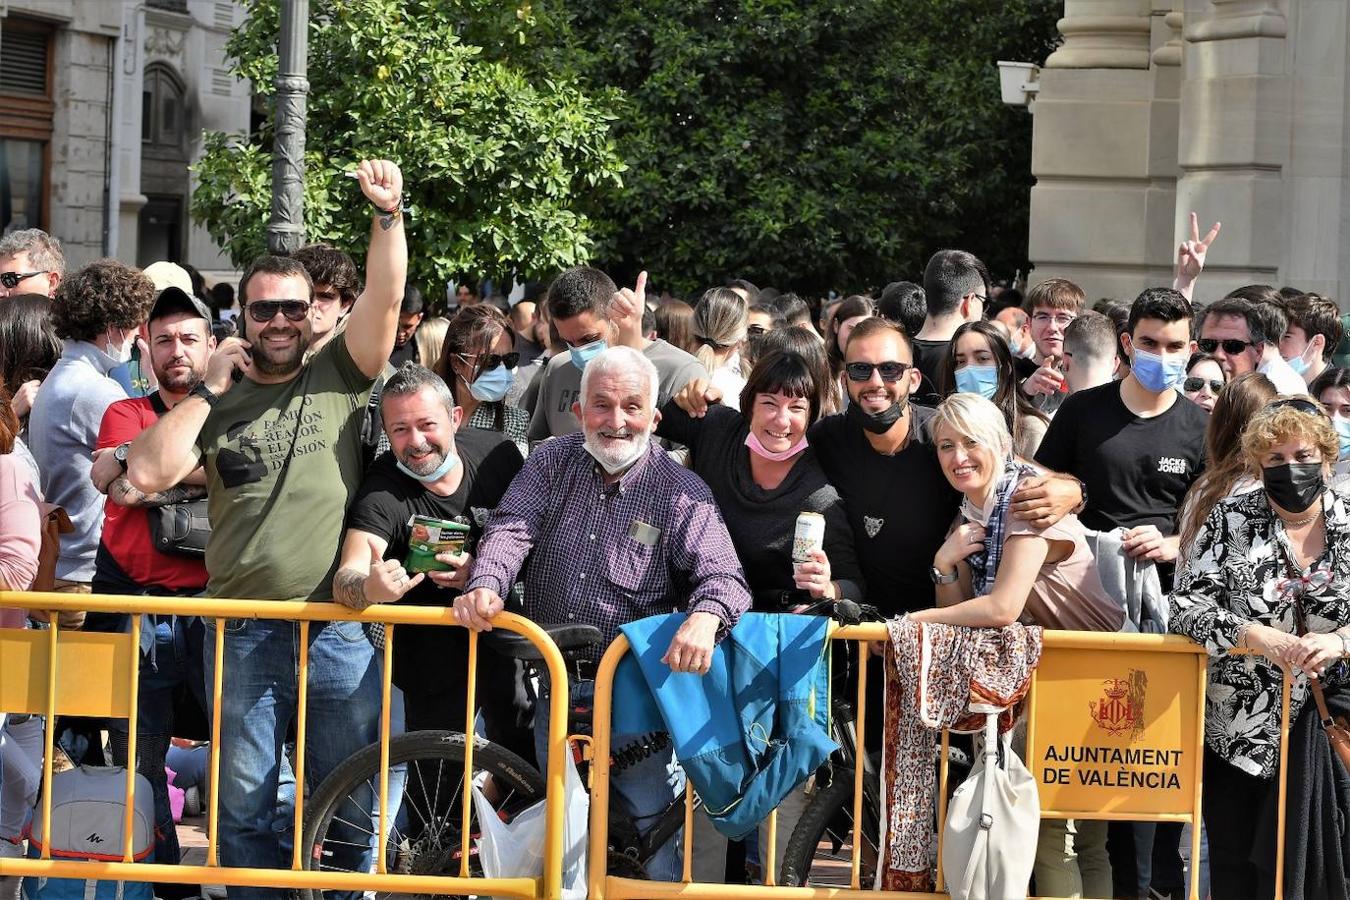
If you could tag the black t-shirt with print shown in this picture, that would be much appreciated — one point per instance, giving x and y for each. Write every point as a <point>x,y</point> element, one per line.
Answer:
<point>900,507</point>
<point>1136,470</point>
<point>385,503</point>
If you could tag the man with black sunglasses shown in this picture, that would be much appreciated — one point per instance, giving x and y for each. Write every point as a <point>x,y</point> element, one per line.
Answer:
<point>31,262</point>
<point>280,439</point>
<point>1243,331</point>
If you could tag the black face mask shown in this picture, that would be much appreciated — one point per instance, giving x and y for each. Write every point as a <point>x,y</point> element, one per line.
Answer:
<point>1294,486</point>
<point>877,423</point>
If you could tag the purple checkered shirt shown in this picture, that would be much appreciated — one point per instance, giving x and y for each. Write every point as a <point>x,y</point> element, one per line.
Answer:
<point>593,561</point>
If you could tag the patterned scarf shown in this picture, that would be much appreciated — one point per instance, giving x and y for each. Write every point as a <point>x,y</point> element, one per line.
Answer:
<point>935,674</point>
<point>984,563</point>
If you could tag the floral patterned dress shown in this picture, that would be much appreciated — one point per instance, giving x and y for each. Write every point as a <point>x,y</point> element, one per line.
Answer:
<point>1237,572</point>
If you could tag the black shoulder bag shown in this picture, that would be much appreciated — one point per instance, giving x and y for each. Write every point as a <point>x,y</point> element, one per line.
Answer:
<point>178,529</point>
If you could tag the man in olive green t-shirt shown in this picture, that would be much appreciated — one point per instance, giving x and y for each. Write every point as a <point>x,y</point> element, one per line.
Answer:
<point>281,442</point>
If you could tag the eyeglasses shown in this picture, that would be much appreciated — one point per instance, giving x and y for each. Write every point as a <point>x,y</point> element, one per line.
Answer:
<point>1231,346</point>
<point>1193,384</point>
<point>890,371</point>
<point>1299,403</point>
<point>1063,321</point>
<point>494,359</point>
<point>263,311</point>
<point>11,279</point>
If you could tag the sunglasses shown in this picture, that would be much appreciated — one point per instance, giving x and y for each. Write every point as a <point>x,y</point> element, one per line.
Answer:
<point>890,371</point>
<point>1299,403</point>
<point>1231,346</point>
<point>263,311</point>
<point>510,360</point>
<point>11,280</point>
<point>1193,384</point>
<point>755,330</point>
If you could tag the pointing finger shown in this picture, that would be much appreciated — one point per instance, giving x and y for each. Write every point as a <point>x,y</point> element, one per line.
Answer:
<point>641,287</point>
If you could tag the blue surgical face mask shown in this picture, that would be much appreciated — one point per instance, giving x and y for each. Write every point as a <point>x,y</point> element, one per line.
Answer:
<point>982,380</point>
<point>1298,364</point>
<point>450,461</point>
<point>1158,373</point>
<point>492,385</point>
<point>1342,427</point>
<point>586,352</point>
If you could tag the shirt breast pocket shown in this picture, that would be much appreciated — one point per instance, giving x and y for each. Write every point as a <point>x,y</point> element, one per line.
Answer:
<point>635,567</point>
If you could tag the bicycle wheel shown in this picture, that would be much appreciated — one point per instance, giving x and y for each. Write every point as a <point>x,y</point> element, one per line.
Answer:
<point>424,824</point>
<point>820,851</point>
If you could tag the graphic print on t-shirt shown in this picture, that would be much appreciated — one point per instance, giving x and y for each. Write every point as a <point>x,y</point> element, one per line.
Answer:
<point>253,449</point>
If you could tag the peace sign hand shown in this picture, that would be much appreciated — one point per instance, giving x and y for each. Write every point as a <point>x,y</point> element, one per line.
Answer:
<point>1191,254</point>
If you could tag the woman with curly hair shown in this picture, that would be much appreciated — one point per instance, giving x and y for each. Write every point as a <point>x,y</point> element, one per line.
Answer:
<point>97,312</point>
<point>1266,573</point>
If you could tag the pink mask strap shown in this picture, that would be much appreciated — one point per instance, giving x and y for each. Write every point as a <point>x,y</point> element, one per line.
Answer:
<point>758,449</point>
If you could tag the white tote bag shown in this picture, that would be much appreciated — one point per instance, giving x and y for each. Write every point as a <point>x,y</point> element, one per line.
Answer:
<point>989,844</point>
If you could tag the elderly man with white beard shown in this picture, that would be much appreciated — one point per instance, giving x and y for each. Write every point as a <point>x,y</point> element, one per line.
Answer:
<point>615,530</point>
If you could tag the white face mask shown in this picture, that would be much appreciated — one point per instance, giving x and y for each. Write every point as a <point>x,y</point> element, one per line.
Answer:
<point>121,352</point>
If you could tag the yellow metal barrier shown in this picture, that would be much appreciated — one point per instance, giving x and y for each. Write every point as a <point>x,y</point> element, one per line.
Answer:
<point>1085,694</point>
<point>69,672</point>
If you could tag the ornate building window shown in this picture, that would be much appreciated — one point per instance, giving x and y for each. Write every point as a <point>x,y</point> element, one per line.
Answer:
<point>26,110</point>
<point>163,113</point>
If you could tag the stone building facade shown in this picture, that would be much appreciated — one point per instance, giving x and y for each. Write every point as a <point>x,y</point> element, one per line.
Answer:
<point>102,105</point>
<point>1236,109</point>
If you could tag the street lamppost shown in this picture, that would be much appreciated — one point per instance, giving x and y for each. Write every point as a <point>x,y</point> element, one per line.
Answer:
<point>286,229</point>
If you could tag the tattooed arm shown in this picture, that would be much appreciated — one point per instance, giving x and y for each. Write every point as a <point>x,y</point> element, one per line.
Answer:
<point>124,494</point>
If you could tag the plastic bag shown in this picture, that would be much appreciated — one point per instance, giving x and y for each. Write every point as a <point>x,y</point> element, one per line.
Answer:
<point>515,849</point>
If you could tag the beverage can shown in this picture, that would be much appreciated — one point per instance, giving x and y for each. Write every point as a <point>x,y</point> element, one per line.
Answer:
<point>429,537</point>
<point>809,536</point>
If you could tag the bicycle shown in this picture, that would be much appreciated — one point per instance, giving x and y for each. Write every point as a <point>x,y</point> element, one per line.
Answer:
<point>424,836</point>
<point>820,850</point>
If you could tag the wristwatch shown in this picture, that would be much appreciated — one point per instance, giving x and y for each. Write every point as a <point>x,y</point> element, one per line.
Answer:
<point>201,390</point>
<point>939,577</point>
<point>120,454</point>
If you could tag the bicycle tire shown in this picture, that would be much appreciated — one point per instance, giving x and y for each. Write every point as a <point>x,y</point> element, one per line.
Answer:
<point>828,817</point>
<point>432,852</point>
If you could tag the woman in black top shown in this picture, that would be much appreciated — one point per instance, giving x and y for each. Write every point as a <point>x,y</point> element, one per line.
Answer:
<point>762,474</point>
<point>1267,572</point>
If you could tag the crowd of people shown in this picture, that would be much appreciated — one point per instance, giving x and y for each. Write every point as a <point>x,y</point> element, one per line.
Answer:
<point>979,457</point>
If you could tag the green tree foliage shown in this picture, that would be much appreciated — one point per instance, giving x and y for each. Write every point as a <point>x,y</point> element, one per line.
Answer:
<point>814,144</point>
<point>496,150</point>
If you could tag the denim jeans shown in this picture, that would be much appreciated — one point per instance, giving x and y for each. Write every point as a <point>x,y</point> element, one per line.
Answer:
<point>645,789</point>
<point>260,699</point>
<point>176,659</point>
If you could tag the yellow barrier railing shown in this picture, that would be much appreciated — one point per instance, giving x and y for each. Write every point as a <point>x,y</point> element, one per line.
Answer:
<point>57,671</point>
<point>1166,725</point>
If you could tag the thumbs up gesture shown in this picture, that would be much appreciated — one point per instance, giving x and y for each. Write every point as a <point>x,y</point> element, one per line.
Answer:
<point>625,314</point>
<point>388,580</point>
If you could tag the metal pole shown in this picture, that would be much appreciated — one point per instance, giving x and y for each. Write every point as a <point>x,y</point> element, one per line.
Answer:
<point>286,230</point>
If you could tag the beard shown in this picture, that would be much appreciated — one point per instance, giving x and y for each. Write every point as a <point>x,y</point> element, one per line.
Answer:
<point>178,382</point>
<point>267,361</point>
<point>616,455</point>
<point>428,458</point>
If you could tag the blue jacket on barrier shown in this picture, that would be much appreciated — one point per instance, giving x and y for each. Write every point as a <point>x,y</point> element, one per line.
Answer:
<point>748,732</point>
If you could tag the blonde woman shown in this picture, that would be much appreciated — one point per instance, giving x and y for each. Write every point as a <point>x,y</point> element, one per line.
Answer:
<point>720,320</point>
<point>430,336</point>
<point>995,569</point>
